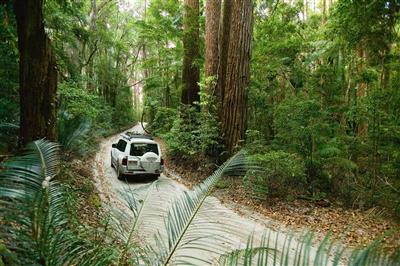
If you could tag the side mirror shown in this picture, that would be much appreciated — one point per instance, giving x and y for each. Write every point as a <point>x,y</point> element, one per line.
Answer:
<point>114,145</point>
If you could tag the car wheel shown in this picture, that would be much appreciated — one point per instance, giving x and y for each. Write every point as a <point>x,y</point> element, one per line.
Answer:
<point>119,175</point>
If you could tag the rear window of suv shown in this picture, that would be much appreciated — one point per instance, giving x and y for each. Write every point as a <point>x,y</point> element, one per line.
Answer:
<point>138,149</point>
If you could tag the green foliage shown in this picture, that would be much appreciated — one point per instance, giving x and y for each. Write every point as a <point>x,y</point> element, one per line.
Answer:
<point>163,120</point>
<point>91,52</point>
<point>325,253</point>
<point>6,257</point>
<point>84,113</point>
<point>72,133</point>
<point>124,113</point>
<point>297,124</point>
<point>79,102</point>
<point>9,97</point>
<point>34,220</point>
<point>182,226</point>
<point>193,133</point>
<point>304,97</point>
<point>283,174</point>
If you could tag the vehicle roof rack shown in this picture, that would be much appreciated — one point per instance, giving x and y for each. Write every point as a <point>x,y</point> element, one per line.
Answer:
<point>133,134</point>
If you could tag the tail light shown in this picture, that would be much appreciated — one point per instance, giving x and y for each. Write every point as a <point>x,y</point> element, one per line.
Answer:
<point>162,161</point>
<point>125,161</point>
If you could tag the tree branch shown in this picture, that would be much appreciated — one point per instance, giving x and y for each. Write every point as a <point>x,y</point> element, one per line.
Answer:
<point>91,54</point>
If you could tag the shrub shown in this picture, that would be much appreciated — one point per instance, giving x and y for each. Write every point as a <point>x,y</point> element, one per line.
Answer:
<point>282,173</point>
<point>123,113</point>
<point>193,133</point>
<point>163,120</point>
<point>79,102</point>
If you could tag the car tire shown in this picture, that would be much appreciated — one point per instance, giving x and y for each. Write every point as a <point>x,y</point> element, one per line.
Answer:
<point>119,175</point>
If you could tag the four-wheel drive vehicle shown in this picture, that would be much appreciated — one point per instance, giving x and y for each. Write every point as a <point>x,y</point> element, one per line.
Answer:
<point>136,154</point>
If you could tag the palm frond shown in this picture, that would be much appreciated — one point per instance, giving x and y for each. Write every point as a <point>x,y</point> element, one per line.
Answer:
<point>188,226</point>
<point>33,212</point>
<point>245,256</point>
<point>71,130</point>
<point>143,204</point>
<point>9,126</point>
<point>302,251</point>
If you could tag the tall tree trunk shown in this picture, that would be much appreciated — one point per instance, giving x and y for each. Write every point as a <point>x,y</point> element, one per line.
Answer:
<point>385,72</point>
<point>305,9</point>
<point>37,74</point>
<point>362,86</point>
<point>224,34</point>
<point>167,96</point>
<point>237,78</point>
<point>213,14</point>
<point>144,50</point>
<point>90,86</point>
<point>191,71</point>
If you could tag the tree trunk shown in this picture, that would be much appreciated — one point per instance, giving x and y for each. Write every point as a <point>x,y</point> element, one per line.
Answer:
<point>237,78</point>
<point>362,86</point>
<point>191,71</point>
<point>37,73</point>
<point>144,50</point>
<point>224,34</point>
<point>90,85</point>
<point>167,96</point>
<point>213,13</point>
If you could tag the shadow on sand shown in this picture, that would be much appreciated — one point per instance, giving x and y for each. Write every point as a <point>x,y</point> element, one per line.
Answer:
<point>142,179</point>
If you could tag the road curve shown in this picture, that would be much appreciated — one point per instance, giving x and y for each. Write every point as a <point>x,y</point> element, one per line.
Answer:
<point>236,228</point>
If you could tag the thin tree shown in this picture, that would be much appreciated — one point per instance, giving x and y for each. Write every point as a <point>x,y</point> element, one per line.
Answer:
<point>37,74</point>
<point>362,86</point>
<point>191,71</point>
<point>237,74</point>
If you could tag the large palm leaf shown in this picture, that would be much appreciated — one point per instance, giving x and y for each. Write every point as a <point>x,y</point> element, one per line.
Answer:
<point>304,253</point>
<point>144,212</point>
<point>187,226</point>
<point>32,211</point>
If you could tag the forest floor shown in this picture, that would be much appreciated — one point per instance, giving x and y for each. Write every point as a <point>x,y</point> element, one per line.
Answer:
<point>353,227</point>
<point>241,225</point>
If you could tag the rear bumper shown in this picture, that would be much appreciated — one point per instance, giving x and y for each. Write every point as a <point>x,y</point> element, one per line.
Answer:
<point>127,172</point>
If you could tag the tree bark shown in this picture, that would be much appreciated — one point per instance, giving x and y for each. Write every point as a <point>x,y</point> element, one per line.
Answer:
<point>237,74</point>
<point>224,34</point>
<point>191,71</point>
<point>144,50</point>
<point>362,86</point>
<point>213,13</point>
<point>37,72</point>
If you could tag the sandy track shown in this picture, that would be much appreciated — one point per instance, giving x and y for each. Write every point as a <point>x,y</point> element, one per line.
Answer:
<point>236,229</point>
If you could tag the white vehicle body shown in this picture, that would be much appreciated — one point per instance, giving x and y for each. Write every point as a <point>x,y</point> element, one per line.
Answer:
<point>136,154</point>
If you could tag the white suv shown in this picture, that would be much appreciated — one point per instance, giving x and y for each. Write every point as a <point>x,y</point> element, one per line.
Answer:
<point>136,154</point>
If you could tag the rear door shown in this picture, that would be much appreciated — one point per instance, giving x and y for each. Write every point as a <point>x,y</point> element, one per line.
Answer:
<point>136,153</point>
<point>119,150</point>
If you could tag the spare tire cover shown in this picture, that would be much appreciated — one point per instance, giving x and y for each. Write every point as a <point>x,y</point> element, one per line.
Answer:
<point>149,162</point>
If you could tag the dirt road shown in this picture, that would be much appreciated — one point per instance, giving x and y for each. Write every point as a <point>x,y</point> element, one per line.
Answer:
<point>237,231</point>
